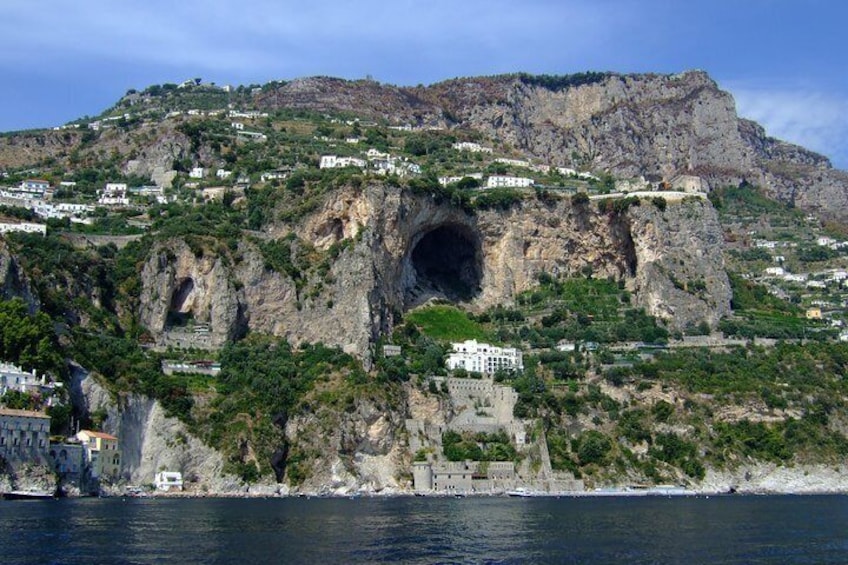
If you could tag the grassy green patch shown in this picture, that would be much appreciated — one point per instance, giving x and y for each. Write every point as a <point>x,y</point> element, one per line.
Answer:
<point>446,323</point>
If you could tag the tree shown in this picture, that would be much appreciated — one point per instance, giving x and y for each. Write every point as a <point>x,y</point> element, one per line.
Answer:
<point>594,447</point>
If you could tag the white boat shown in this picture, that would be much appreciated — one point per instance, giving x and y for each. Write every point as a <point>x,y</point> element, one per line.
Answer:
<point>520,492</point>
<point>28,495</point>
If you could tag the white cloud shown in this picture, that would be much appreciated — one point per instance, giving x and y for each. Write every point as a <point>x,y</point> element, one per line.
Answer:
<point>812,119</point>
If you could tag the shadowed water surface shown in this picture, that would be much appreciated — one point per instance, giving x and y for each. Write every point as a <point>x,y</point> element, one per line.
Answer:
<point>414,530</point>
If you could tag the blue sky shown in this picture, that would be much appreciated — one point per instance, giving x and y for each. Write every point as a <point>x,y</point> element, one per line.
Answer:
<point>783,60</point>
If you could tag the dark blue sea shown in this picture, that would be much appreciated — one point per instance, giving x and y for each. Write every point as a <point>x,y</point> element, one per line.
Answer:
<point>725,529</point>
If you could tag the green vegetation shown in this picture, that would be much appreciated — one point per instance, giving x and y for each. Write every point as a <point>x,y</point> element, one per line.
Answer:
<point>28,339</point>
<point>446,323</point>
<point>563,82</point>
<point>262,382</point>
<point>478,447</point>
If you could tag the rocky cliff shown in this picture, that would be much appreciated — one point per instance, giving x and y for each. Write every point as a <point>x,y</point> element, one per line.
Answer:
<point>406,249</point>
<point>13,281</point>
<point>149,440</point>
<point>648,125</point>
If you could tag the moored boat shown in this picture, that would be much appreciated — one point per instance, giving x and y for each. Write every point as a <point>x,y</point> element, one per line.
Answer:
<point>520,492</point>
<point>28,495</point>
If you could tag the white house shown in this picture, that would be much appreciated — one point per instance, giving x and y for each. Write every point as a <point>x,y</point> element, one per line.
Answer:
<point>13,377</point>
<point>484,358</point>
<point>35,186</point>
<point>335,162</point>
<point>114,194</point>
<point>8,226</point>
<point>223,174</point>
<point>775,271</point>
<point>196,173</point>
<point>513,162</point>
<point>471,147</point>
<point>168,481</point>
<point>444,181</point>
<point>501,181</point>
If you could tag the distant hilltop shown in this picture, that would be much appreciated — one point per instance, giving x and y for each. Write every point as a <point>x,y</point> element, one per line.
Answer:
<point>629,125</point>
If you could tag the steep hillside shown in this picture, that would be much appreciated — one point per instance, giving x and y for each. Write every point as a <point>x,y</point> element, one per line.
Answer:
<point>277,311</point>
<point>655,126</point>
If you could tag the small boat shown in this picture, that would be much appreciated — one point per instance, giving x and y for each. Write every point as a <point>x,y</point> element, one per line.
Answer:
<point>520,492</point>
<point>28,495</point>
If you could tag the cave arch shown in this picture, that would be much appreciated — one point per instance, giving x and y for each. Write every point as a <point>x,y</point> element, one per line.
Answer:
<point>181,307</point>
<point>444,262</point>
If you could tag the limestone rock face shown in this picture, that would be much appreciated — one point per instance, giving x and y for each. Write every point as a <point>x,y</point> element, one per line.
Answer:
<point>680,274</point>
<point>404,249</point>
<point>150,441</point>
<point>179,286</point>
<point>13,281</point>
<point>351,451</point>
<point>640,125</point>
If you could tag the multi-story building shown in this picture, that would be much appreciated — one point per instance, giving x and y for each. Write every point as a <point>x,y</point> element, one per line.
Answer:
<point>114,194</point>
<point>13,377</point>
<point>336,162</point>
<point>24,435</point>
<point>502,181</point>
<point>484,358</point>
<point>102,454</point>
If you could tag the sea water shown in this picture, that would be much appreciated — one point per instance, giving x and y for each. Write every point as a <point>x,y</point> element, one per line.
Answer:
<point>723,529</point>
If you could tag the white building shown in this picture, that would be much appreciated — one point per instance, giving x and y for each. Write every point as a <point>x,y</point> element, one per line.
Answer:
<point>115,194</point>
<point>775,271</point>
<point>501,181</point>
<point>196,173</point>
<point>471,147</point>
<point>223,174</point>
<point>166,481</point>
<point>335,162</point>
<point>13,377</point>
<point>484,358</point>
<point>252,135</point>
<point>35,186</point>
<point>8,226</point>
<point>513,162</point>
<point>444,181</point>
<point>273,175</point>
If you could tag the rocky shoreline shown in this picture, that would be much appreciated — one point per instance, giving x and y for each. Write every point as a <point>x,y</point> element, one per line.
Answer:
<point>759,479</point>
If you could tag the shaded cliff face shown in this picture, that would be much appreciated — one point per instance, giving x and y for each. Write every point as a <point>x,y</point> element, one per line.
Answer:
<point>400,250</point>
<point>13,281</point>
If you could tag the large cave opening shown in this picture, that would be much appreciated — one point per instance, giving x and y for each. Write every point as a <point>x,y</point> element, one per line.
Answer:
<point>180,310</point>
<point>446,263</point>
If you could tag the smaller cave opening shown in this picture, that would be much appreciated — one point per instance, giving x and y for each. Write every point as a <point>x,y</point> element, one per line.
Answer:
<point>446,263</point>
<point>180,310</point>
